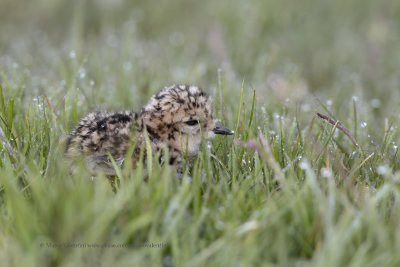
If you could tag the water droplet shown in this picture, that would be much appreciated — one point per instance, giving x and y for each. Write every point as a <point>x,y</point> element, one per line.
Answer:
<point>363,124</point>
<point>325,172</point>
<point>209,145</point>
<point>336,133</point>
<point>355,98</point>
<point>304,165</point>
<point>82,73</point>
<point>72,54</point>
<point>329,102</point>
<point>263,109</point>
<point>91,83</point>
<point>382,169</point>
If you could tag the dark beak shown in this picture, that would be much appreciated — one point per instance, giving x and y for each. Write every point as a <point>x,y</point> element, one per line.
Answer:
<point>219,129</point>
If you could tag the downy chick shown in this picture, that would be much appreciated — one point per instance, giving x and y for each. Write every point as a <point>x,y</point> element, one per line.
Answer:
<point>176,118</point>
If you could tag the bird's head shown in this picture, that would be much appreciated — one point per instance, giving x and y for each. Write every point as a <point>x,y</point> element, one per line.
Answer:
<point>179,116</point>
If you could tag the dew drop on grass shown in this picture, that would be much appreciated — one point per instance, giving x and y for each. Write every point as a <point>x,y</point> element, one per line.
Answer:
<point>326,173</point>
<point>72,54</point>
<point>363,124</point>
<point>336,133</point>
<point>82,73</point>
<point>329,102</point>
<point>382,169</point>
<point>263,109</point>
<point>304,165</point>
<point>91,83</point>
<point>355,98</point>
<point>209,145</point>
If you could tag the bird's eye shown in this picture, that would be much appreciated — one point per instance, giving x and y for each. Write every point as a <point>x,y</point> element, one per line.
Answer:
<point>191,123</point>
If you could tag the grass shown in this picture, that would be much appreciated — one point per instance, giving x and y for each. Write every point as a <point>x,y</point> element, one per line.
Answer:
<point>289,189</point>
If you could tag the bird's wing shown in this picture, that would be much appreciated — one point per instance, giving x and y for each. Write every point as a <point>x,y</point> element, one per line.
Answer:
<point>101,133</point>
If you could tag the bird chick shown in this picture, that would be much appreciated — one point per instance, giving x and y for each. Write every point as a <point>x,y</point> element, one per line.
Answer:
<point>176,119</point>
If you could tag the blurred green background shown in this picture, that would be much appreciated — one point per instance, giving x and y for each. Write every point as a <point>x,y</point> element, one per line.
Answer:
<point>280,48</point>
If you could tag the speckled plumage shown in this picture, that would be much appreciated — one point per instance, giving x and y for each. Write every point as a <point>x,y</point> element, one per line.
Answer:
<point>175,119</point>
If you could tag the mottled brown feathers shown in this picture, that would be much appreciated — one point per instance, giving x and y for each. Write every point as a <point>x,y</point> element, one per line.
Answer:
<point>175,119</point>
